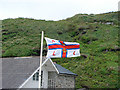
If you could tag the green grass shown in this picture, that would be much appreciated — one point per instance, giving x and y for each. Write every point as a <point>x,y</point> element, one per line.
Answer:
<point>98,42</point>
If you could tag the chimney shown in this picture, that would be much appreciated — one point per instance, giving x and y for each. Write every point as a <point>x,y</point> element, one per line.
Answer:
<point>54,62</point>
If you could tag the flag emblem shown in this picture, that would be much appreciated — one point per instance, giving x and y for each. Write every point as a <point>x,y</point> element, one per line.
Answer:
<point>61,49</point>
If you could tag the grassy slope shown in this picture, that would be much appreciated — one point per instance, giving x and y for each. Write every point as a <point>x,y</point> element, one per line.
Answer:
<point>97,67</point>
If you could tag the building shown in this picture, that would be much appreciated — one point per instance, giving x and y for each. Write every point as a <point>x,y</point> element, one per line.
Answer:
<point>22,72</point>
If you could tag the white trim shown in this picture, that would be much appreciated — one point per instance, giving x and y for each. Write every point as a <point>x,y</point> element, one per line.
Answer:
<point>28,78</point>
<point>54,66</point>
<point>45,61</point>
<point>32,75</point>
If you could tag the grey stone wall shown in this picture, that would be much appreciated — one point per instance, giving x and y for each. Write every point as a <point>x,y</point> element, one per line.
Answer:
<point>60,81</point>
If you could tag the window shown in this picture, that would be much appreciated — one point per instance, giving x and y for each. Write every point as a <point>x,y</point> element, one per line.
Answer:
<point>36,76</point>
<point>41,77</point>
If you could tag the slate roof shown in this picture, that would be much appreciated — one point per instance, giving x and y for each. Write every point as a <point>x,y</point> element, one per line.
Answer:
<point>16,70</point>
<point>62,70</point>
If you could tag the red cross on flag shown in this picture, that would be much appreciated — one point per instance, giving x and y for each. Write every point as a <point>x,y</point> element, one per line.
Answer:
<point>60,49</point>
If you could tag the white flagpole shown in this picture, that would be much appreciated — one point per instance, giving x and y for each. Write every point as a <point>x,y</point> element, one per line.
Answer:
<point>41,59</point>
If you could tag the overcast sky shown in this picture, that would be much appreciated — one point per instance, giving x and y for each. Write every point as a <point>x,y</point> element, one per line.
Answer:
<point>54,9</point>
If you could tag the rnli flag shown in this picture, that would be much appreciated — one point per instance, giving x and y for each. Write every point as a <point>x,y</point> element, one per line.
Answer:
<point>61,49</point>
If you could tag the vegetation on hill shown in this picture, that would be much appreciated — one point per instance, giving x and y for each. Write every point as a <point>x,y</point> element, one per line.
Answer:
<point>97,67</point>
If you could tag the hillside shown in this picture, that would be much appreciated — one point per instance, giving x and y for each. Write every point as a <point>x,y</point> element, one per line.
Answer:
<point>97,67</point>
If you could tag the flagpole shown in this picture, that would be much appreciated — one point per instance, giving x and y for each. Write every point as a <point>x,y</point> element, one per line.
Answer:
<point>41,59</point>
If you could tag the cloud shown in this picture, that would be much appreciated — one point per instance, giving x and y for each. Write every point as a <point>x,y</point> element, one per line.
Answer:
<point>54,9</point>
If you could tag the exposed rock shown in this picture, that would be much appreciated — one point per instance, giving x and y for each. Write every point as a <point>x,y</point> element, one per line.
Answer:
<point>83,32</point>
<point>115,49</point>
<point>109,23</point>
<point>86,87</point>
<point>111,49</point>
<point>85,56</point>
<point>81,28</point>
<point>97,27</point>
<point>82,89</point>
<point>88,42</point>
<point>59,32</point>
<point>6,33</point>
<point>76,33</point>
<point>95,30</point>
<point>4,30</point>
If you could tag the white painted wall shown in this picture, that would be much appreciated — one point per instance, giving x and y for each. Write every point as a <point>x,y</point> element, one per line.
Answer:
<point>31,84</point>
<point>45,78</point>
<point>34,84</point>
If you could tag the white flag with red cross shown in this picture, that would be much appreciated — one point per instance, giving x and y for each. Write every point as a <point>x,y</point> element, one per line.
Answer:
<point>61,49</point>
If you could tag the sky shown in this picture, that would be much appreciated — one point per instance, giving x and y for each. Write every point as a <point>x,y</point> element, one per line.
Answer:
<point>54,9</point>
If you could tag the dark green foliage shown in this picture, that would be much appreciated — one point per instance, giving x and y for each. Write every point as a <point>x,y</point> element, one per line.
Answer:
<point>97,67</point>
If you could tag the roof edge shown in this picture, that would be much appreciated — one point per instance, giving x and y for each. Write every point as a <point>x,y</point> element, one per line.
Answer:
<point>32,74</point>
<point>54,66</point>
<point>68,74</point>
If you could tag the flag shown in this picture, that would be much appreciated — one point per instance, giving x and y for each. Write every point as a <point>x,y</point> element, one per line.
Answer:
<point>61,49</point>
